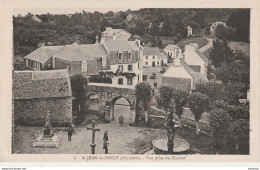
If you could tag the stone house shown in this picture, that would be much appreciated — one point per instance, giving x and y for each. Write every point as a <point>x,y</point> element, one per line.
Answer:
<point>181,77</point>
<point>173,51</point>
<point>114,34</point>
<point>40,59</point>
<point>152,57</point>
<point>195,59</point>
<point>189,31</point>
<point>36,92</point>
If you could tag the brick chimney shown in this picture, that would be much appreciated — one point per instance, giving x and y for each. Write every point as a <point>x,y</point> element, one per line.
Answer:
<point>97,40</point>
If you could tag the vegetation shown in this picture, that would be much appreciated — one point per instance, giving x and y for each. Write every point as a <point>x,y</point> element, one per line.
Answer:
<point>198,103</point>
<point>78,87</point>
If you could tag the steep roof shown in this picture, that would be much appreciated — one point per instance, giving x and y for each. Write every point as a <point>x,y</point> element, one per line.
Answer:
<point>43,54</point>
<point>123,36</point>
<point>162,56</point>
<point>177,72</point>
<point>151,51</point>
<point>94,50</point>
<point>121,45</point>
<point>73,53</point>
<point>41,84</point>
<point>171,47</point>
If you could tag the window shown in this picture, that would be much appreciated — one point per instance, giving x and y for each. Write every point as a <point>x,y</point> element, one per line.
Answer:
<point>146,57</point>
<point>84,67</point>
<point>129,55</point>
<point>158,62</point>
<point>120,81</point>
<point>120,56</point>
<point>138,77</point>
<point>120,68</point>
<point>146,63</point>
<point>130,68</point>
<point>129,81</point>
<point>153,57</point>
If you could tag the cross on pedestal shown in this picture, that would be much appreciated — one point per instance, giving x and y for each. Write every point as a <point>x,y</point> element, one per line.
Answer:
<point>93,145</point>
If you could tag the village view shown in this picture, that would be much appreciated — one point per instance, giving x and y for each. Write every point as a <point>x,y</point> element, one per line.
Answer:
<point>147,81</point>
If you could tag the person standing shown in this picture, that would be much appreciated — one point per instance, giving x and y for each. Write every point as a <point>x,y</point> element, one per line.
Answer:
<point>70,133</point>
<point>105,138</point>
<point>105,147</point>
<point>121,120</point>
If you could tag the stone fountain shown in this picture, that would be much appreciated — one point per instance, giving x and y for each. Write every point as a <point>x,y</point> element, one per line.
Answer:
<point>170,145</point>
<point>47,138</point>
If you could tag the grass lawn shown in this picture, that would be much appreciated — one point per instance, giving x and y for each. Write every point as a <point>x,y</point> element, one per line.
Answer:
<point>244,47</point>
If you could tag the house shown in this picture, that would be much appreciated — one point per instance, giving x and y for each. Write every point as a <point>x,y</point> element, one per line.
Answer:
<point>180,76</point>
<point>114,34</point>
<point>40,59</point>
<point>36,19</point>
<point>152,57</point>
<point>195,59</point>
<point>81,59</point>
<point>125,62</point>
<point>172,50</point>
<point>36,92</point>
<point>214,26</point>
<point>189,31</point>
<point>130,17</point>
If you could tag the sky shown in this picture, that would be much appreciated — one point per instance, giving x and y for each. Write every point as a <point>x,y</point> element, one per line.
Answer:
<point>24,11</point>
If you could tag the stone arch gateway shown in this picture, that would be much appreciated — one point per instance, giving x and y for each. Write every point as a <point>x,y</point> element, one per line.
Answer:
<point>108,96</point>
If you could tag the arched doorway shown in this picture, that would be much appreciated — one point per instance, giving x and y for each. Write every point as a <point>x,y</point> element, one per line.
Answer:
<point>120,106</point>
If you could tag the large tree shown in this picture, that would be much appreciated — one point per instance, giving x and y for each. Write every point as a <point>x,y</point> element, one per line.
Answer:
<point>221,53</point>
<point>166,95</point>
<point>78,87</point>
<point>143,93</point>
<point>198,103</point>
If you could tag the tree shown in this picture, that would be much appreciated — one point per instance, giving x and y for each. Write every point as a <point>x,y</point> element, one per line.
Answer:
<point>240,21</point>
<point>211,89</point>
<point>198,103</point>
<point>166,95</point>
<point>222,32</point>
<point>220,53</point>
<point>143,93</point>
<point>156,42</point>
<point>167,30</point>
<point>78,87</point>
<point>219,121</point>
<point>180,99</point>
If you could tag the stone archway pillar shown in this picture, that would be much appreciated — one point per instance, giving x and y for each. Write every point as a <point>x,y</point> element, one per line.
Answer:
<point>132,115</point>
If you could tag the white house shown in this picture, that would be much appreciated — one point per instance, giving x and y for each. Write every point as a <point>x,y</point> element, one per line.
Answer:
<point>152,57</point>
<point>181,77</point>
<point>189,29</point>
<point>214,26</point>
<point>195,59</point>
<point>114,34</point>
<point>172,50</point>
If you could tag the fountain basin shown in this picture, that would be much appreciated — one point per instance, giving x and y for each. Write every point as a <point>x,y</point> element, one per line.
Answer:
<point>52,142</point>
<point>160,146</point>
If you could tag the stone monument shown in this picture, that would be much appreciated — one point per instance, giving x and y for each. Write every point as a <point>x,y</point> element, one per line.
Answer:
<point>47,138</point>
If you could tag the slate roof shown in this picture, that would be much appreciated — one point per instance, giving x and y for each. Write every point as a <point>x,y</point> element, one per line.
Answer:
<point>151,51</point>
<point>41,84</point>
<point>121,45</point>
<point>43,54</point>
<point>205,59</point>
<point>73,53</point>
<point>94,50</point>
<point>171,47</point>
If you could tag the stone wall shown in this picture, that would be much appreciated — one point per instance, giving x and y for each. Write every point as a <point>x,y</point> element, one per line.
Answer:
<point>33,112</point>
<point>110,95</point>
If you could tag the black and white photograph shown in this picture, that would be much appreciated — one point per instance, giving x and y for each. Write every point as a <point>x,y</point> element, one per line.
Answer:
<point>151,81</point>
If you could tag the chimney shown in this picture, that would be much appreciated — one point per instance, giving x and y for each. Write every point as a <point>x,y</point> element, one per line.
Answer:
<point>97,40</point>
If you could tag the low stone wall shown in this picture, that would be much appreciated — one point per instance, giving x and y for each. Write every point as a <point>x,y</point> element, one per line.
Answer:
<point>32,112</point>
<point>187,118</point>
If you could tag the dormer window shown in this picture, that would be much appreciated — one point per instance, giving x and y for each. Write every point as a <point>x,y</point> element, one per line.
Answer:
<point>84,66</point>
<point>120,56</point>
<point>129,55</point>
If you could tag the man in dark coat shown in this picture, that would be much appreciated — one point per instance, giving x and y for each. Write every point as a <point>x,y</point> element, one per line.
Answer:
<point>70,133</point>
<point>105,143</point>
<point>121,120</point>
<point>105,138</point>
